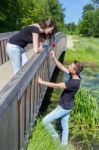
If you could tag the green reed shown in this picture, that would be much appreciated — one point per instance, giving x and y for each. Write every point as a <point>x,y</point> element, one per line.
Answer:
<point>41,140</point>
<point>84,121</point>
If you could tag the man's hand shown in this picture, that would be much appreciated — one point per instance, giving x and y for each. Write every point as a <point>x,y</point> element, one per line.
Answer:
<point>59,65</point>
<point>52,54</point>
<point>51,84</point>
<point>40,80</point>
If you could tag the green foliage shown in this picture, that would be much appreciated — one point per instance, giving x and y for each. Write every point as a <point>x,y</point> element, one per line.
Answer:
<point>89,24</point>
<point>19,13</point>
<point>38,12</point>
<point>71,28</point>
<point>96,23</point>
<point>86,25</point>
<point>88,7</point>
<point>8,15</point>
<point>95,2</point>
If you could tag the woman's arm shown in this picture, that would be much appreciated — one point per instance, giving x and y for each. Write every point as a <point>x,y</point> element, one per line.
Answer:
<point>59,65</point>
<point>35,38</point>
<point>41,42</point>
<point>51,84</point>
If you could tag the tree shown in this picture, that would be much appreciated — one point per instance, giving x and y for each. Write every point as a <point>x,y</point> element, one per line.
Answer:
<point>8,14</point>
<point>71,27</point>
<point>88,7</point>
<point>45,9</point>
<point>18,13</point>
<point>89,23</point>
<point>96,23</point>
<point>86,26</point>
<point>95,2</point>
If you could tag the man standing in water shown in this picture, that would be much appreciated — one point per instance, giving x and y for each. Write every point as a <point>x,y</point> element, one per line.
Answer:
<point>66,101</point>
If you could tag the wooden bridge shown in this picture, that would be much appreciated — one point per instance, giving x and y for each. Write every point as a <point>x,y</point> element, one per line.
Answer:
<point>21,97</point>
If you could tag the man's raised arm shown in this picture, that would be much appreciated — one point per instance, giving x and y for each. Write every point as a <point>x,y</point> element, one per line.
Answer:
<point>59,65</point>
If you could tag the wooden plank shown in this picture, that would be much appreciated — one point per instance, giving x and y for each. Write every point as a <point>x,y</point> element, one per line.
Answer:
<point>4,43</point>
<point>36,95</point>
<point>33,97</point>
<point>28,109</point>
<point>31,103</point>
<point>22,118</point>
<point>40,86</point>
<point>43,87</point>
<point>6,56</point>
<point>3,51</point>
<point>18,106</point>
<point>1,61</point>
<point>9,128</point>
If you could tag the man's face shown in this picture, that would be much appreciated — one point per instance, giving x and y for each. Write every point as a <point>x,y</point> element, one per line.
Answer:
<point>72,69</point>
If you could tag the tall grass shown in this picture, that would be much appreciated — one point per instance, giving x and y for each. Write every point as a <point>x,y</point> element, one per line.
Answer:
<point>84,122</point>
<point>41,140</point>
<point>85,50</point>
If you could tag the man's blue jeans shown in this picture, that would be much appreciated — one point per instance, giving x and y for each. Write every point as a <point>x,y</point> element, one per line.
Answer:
<point>17,56</point>
<point>57,113</point>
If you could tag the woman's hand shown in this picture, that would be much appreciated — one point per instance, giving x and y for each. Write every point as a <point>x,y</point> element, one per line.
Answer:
<point>40,80</point>
<point>40,48</point>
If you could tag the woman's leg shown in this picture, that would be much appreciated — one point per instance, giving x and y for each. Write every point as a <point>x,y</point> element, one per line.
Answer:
<point>65,129</point>
<point>55,114</point>
<point>15,57</point>
<point>24,58</point>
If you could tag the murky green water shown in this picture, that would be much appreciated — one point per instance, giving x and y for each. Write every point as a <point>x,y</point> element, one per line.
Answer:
<point>89,80</point>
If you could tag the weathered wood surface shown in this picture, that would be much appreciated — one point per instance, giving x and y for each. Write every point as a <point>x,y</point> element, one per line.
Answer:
<point>7,34</point>
<point>21,98</point>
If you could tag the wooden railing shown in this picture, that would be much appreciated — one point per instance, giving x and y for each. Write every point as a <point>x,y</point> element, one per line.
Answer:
<point>3,41</point>
<point>21,98</point>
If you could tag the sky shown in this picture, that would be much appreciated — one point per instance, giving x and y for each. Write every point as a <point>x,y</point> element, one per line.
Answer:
<point>73,9</point>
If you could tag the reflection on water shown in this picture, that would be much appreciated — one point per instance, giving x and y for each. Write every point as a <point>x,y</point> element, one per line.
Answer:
<point>90,80</point>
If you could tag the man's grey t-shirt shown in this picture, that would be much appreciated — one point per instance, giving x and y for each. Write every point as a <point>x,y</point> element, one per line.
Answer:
<point>67,96</point>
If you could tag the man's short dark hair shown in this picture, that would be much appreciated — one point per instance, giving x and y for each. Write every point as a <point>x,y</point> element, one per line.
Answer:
<point>79,66</point>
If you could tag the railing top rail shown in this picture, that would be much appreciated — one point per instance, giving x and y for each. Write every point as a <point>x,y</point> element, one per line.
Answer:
<point>7,35</point>
<point>20,81</point>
